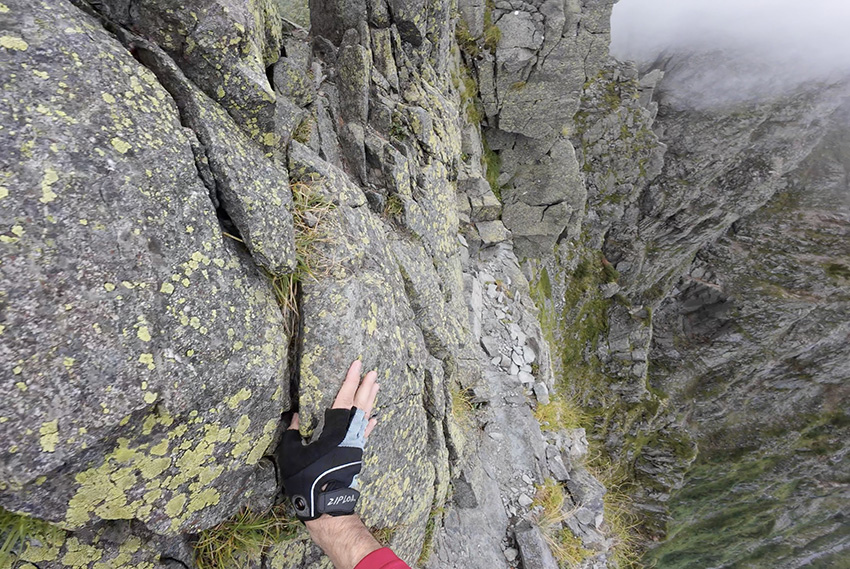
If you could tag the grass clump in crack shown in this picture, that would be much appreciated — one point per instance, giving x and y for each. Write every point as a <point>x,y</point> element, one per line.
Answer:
<point>241,540</point>
<point>462,407</point>
<point>550,501</point>
<point>16,530</point>
<point>311,216</point>
<point>434,518</point>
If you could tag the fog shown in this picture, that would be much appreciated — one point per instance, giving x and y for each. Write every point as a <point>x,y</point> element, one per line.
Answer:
<point>775,44</point>
<point>815,32</point>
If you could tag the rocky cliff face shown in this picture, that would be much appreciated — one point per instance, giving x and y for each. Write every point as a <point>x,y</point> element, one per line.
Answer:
<point>691,355</point>
<point>760,324</point>
<point>208,211</point>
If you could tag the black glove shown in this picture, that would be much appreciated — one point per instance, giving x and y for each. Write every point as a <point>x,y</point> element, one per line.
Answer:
<point>320,478</point>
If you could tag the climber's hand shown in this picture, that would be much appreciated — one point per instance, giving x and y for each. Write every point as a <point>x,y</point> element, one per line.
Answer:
<point>321,477</point>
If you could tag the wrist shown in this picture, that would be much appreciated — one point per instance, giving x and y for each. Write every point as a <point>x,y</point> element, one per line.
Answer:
<point>344,539</point>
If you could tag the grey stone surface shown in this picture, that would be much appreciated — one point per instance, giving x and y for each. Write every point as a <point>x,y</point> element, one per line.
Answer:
<point>253,191</point>
<point>147,370</point>
<point>492,232</point>
<point>541,392</point>
<point>223,47</point>
<point>533,550</point>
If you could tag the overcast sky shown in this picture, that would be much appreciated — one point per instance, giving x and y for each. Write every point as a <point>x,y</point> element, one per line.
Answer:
<point>812,35</point>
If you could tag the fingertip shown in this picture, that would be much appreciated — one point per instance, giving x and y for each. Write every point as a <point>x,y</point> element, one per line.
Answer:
<point>295,423</point>
<point>370,427</point>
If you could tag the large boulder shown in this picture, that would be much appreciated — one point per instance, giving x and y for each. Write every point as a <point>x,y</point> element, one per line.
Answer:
<point>144,354</point>
<point>223,46</point>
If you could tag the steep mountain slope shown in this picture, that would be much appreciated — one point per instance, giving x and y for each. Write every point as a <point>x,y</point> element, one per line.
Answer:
<point>753,348</point>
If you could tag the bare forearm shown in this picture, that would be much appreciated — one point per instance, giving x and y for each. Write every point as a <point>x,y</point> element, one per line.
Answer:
<point>344,539</point>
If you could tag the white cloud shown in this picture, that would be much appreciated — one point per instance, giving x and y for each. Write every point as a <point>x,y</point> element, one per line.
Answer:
<point>813,36</point>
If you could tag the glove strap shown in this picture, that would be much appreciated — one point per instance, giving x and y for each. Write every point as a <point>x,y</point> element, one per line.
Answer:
<point>337,502</point>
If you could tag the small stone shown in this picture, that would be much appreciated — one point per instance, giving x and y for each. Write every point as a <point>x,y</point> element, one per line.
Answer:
<point>500,314</point>
<point>505,362</point>
<point>524,377</point>
<point>495,361</point>
<point>486,278</point>
<point>528,354</point>
<point>585,516</point>
<point>609,290</point>
<point>480,394</point>
<point>492,232</point>
<point>527,479</point>
<point>533,550</point>
<point>525,367</point>
<point>491,346</point>
<point>515,371</point>
<point>492,291</point>
<point>496,436</point>
<point>556,466</point>
<point>524,500</point>
<point>541,392</point>
<point>511,554</point>
<point>517,359</point>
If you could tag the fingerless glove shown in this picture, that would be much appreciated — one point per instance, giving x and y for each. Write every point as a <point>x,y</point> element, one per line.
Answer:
<point>321,477</point>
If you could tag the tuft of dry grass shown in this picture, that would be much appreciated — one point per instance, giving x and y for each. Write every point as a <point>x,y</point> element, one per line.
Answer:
<point>384,535</point>
<point>394,206</point>
<point>239,542</point>
<point>462,408</point>
<point>621,521</point>
<point>560,413</point>
<point>551,500</point>
<point>313,224</point>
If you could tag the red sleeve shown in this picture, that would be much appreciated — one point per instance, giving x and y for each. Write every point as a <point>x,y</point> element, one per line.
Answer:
<point>382,559</point>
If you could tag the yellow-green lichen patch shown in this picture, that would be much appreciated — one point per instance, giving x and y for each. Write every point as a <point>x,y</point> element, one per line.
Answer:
<point>143,334</point>
<point>49,436</point>
<point>174,507</point>
<point>147,359</point>
<point>78,554</point>
<point>120,145</point>
<point>242,395</point>
<point>14,43</point>
<point>47,194</point>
